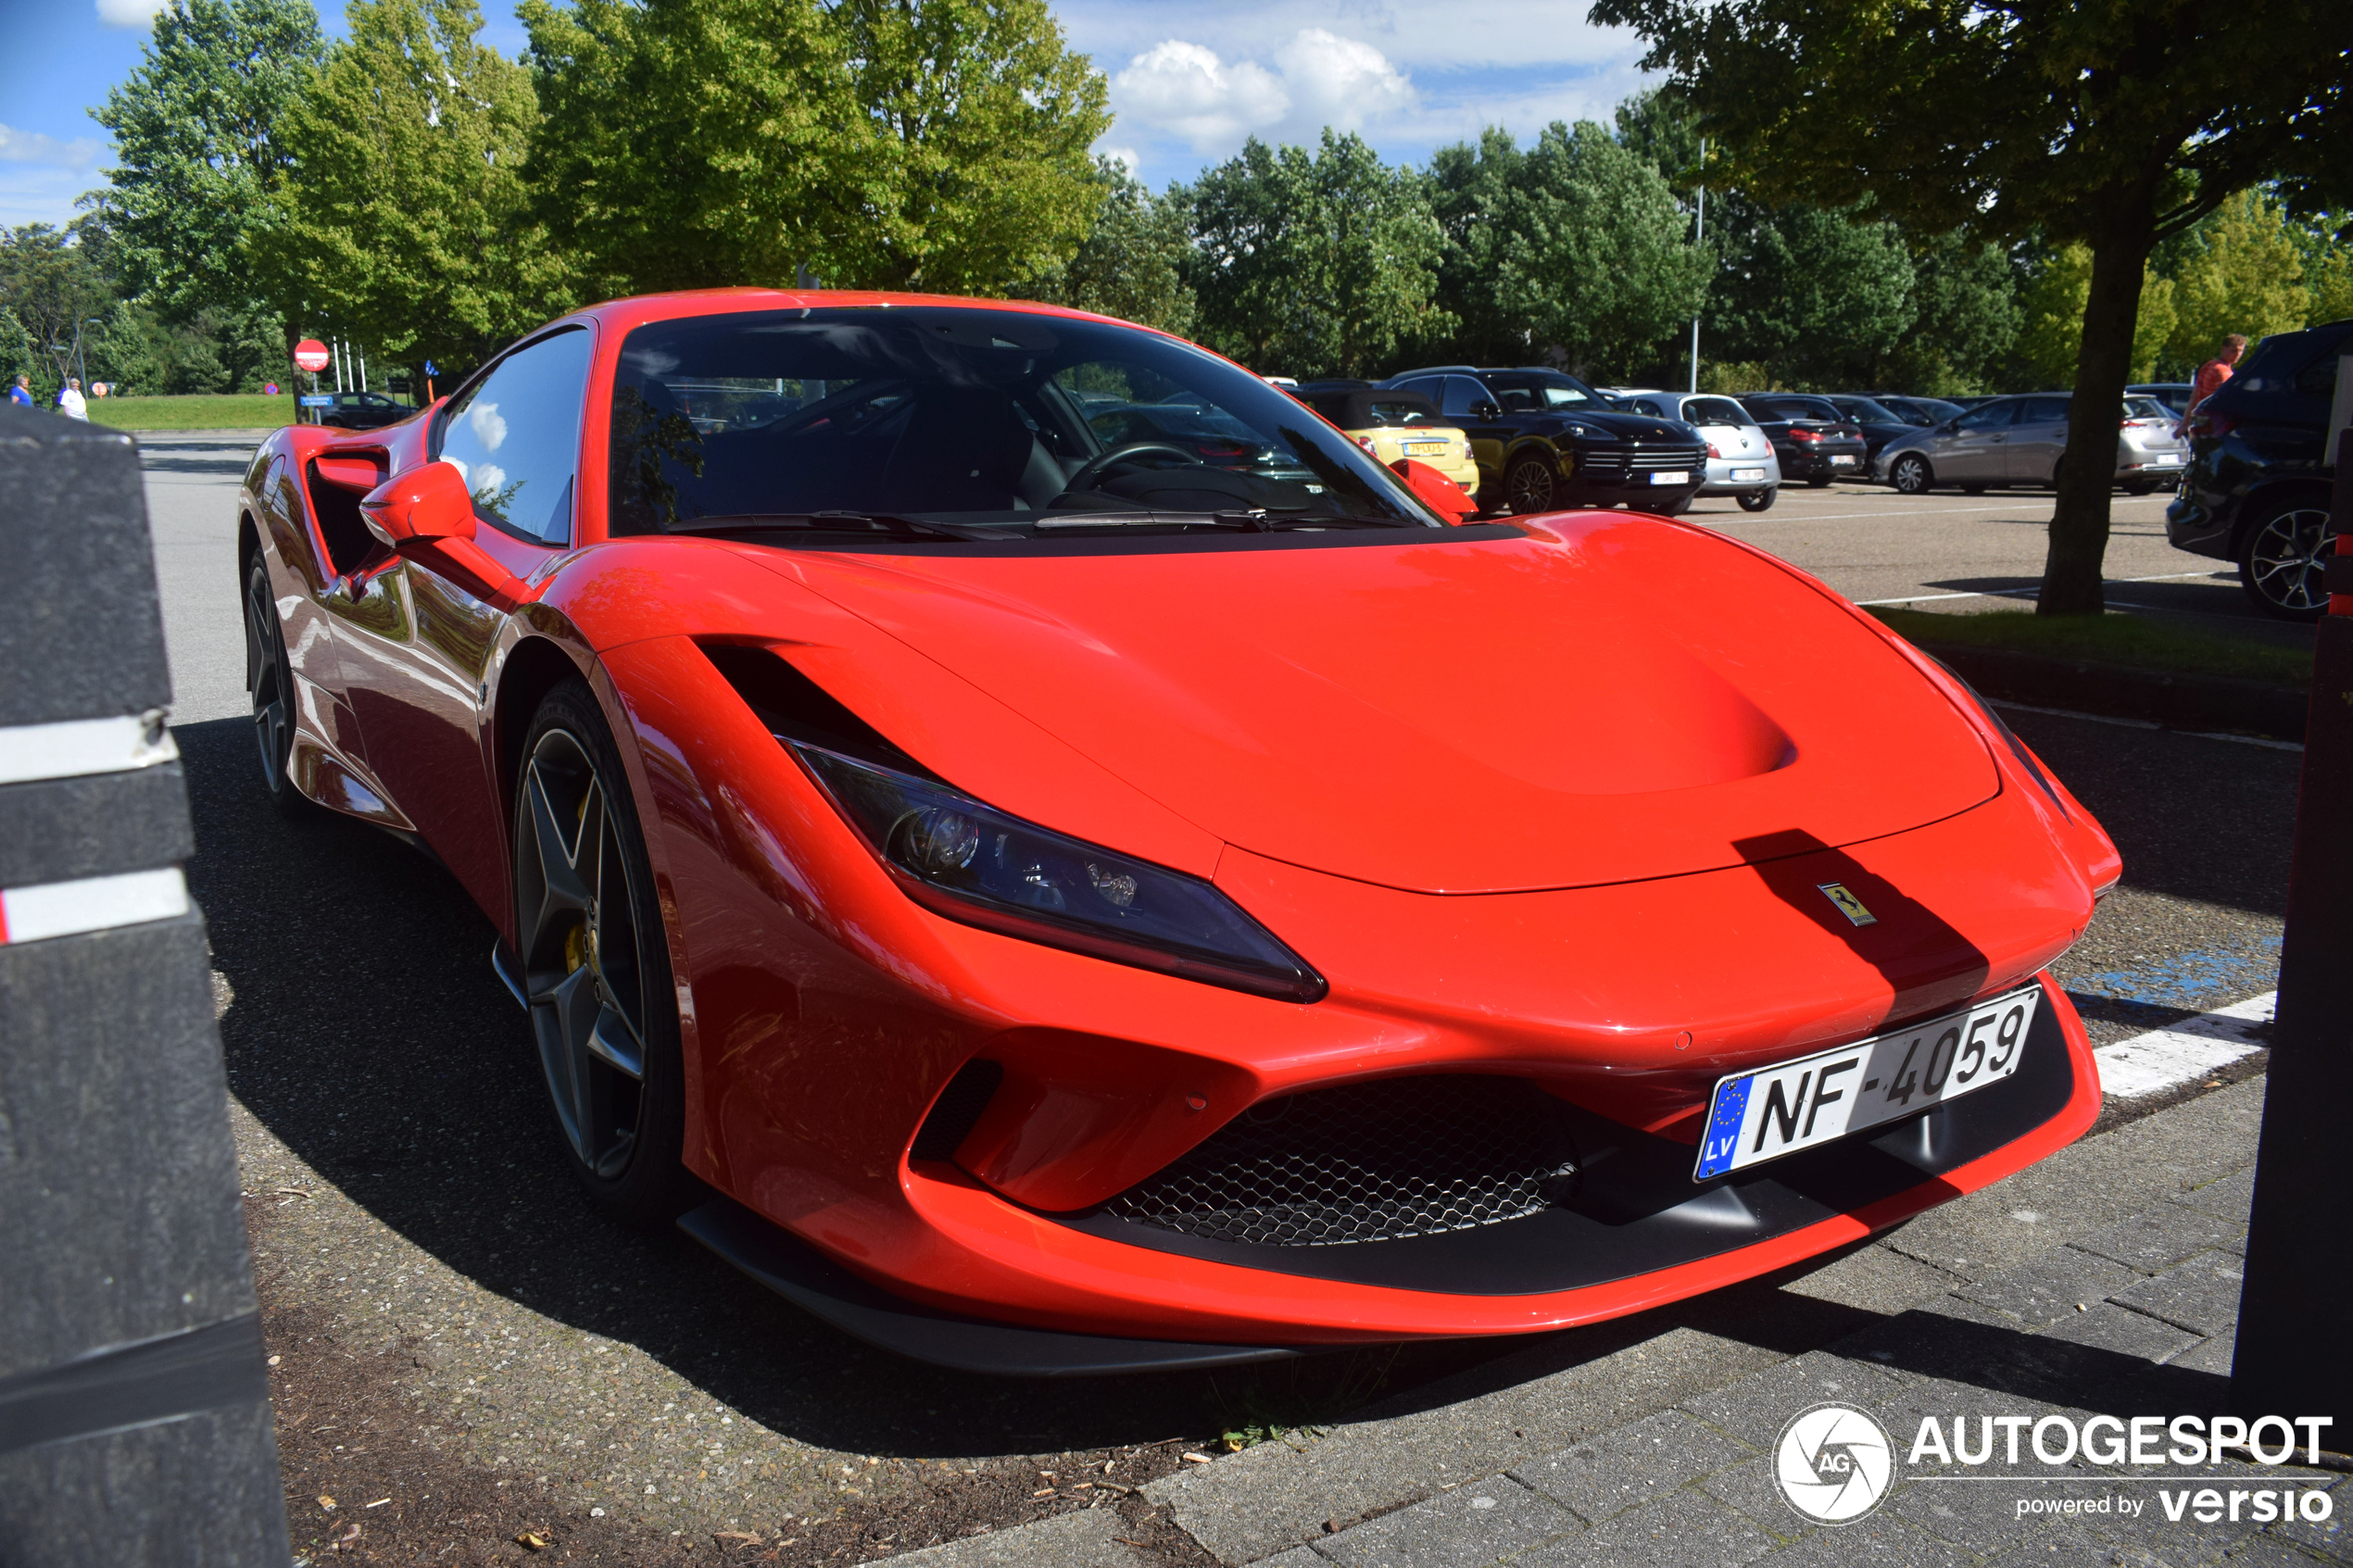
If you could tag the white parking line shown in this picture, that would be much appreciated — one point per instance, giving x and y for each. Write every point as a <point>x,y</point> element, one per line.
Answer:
<point>2028,593</point>
<point>1930,511</point>
<point>2147,1064</point>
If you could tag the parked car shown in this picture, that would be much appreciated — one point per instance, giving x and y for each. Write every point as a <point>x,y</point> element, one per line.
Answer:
<point>1545,441</point>
<point>2009,441</point>
<point>365,411</point>
<point>1739,460</point>
<point>1394,423</point>
<point>1813,440</point>
<point>2256,490</point>
<point>2174,395</point>
<point>1922,412</point>
<point>1047,905</point>
<point>1879,423</point>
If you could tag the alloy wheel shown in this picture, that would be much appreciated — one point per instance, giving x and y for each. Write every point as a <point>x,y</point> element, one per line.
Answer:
<point>582,967</point>
<point>1911,476</point>
<point>1529,486</point>
<point>2287,560</point>
<point>266,677</point>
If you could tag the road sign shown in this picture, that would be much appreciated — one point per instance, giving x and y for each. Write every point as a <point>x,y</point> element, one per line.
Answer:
<point>431,370</point>
<point>311,354</point>
<point>316,400</point>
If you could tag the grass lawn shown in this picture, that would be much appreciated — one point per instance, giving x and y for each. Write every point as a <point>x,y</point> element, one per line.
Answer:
<point>202,411</point>
<point>2112,638</point>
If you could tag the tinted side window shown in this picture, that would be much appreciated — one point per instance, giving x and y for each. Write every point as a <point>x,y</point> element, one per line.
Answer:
<point>516,437</point>
<point>2043,410</point>
<point>2319,377</point>
<point>1989,415</point>
<point>1461,394</point>
<point>1431,387</point>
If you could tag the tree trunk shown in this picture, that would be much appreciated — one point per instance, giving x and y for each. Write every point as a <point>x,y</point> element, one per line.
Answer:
<point>2072,582</point>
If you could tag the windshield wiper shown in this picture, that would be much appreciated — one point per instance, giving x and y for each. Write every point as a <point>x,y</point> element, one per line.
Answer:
<point>1250,520</point>
<point>836,522</point>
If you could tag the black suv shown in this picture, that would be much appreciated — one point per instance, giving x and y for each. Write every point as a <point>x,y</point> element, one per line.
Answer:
<point>2257,488</point>
<point>1545,441</point>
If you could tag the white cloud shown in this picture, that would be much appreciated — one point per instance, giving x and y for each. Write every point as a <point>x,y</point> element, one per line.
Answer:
<point>1340,82</point>
<point>31,146</point>
<point>130,13</point>
<point>1126,157</point>
<point>1185,90</point>
<point>1506,34</point>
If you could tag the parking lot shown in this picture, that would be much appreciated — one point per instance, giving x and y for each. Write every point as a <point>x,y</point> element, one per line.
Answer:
<point>465,1356</point>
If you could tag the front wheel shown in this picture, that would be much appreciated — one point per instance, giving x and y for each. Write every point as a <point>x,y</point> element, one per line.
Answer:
<point>269,681</point>
<point>1529,485</point>
<point>596,966</point>
<point>1759,500</point>
<point>2283,558</point>
<point>1910,475</point>
<point>1819,482</point>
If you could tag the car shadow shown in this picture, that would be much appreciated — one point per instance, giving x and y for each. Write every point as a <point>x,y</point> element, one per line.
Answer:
<point>369,1034</point>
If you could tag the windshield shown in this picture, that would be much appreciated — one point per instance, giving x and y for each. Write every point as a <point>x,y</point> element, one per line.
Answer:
<point>2145,408</point>
<point>1796,409</point>
<point>1715,412</point>
<point>947,420</point>
<point>1530,390</point>
<point>1866,409</point>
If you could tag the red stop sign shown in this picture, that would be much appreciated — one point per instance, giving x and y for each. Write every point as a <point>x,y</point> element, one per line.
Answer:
<point>311,354</point>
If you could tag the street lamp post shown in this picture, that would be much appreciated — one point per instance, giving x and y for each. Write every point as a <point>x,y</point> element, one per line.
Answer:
<point>1699,238</point>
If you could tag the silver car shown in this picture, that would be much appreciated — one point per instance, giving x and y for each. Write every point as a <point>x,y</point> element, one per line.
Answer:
<point>1739,460</point>
<point>2006,441</point>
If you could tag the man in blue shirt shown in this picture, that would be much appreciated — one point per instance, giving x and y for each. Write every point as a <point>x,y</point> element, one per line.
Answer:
<point>21,393</point>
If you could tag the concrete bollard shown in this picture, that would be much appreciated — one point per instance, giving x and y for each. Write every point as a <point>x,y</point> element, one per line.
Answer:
<point>134,1415</point>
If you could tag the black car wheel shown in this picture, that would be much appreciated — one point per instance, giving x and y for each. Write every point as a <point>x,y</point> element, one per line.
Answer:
<point>1529,485</point>
<point>1819,482</point>
<point>1759,500</point>
<point>270,679</point>
<point>1911,475</point>
<point>2284,557</point>
<point>595,964</point>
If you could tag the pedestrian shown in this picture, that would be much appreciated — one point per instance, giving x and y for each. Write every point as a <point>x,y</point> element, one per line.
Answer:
<point>2210,377</point>
<point>21,393</point>
<point>70,399</point>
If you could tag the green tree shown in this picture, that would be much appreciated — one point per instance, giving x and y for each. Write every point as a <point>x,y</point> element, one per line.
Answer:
<point>1473,194</point>
<point>1314,264</point>
<point>1965,318</point>
<point>938,144</point>
<point>16,358</point>
<point>975,176</point>
<point>688,143</point>
<point>2110,123</point>
<point>2240,271</point>
<point>404,222</point>
<point>1132,262</point>
<point>1600,262</point>
<point>1823,297</point>
<point>199,147</point>
<point>52,282</point>
<point>2050,333</point>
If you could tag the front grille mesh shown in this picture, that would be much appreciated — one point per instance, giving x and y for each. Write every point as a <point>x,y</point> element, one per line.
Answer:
<point>1371,1161</point>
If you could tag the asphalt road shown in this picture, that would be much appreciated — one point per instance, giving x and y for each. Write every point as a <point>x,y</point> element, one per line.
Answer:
<point>457,1335</point>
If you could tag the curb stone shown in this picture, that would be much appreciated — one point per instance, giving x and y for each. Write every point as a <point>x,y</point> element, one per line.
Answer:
<point>2176,700</point>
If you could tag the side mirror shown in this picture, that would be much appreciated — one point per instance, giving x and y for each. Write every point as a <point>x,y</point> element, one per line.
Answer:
<point>1486,412</point>
<point>1438,491</point>
<point>427,502</point>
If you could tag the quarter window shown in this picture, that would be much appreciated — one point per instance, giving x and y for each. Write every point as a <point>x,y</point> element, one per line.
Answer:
<point>516,437</point>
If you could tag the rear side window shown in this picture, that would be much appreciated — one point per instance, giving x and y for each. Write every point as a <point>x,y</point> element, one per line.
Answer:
<point>516,437</point>
<point>1988,416</point>
<point>2319,377</point>
<point>2043,410</point>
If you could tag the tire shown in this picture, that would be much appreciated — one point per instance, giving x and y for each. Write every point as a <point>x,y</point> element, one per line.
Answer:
<point>1677,508</point>
<point>2139,489</point>
<point>1911,475</point>
<point>1530,484</point>
<point>269,685</point>
<point>1759,500</point>
<point>1819,482</point>
<point>594,962</point>
<point>1972,490</point>
<point>2282,556</point>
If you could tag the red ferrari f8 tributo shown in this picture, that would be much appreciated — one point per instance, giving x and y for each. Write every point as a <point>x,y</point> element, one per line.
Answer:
<point>1054,898</point>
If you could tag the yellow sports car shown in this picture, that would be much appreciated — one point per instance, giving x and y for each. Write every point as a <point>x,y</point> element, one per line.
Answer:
<point>1397,424</point>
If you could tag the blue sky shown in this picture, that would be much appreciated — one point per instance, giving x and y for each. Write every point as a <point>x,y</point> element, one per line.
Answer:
<point>1190,79</point>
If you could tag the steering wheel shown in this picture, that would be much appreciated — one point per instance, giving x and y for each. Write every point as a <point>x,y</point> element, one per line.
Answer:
<point>1095,466</point>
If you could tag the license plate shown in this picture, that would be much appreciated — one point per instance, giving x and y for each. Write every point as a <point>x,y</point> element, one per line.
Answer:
<point>1841,462</point>
<point>1415,448</point>
<point>1740,475</point>
<point>1759,1116</point>
<point>2169,459</point>
<point>1681,476</point>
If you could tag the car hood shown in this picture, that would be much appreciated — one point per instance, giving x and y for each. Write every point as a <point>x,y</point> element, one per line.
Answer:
<point>1479,711</point>
<point>1632,427</point>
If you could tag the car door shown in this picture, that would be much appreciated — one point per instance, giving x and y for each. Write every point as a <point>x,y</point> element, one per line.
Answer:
<point>1459,398</point>
<point>1973,453</point>
<point>2036,439</point>
<point>416,647</point>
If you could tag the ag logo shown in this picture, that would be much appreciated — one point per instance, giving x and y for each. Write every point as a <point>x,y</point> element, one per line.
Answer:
<point>1848,905</point>
<point>1833,1462</point>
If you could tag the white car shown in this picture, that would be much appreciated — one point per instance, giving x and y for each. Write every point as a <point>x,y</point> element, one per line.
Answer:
<point>1739,460</point>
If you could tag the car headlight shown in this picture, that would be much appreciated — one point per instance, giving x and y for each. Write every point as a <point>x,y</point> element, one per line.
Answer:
<point>1581,433</point>
<point>972,863</point>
